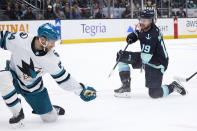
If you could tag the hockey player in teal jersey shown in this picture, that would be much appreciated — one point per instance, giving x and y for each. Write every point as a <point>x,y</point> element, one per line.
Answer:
<point>153,58</point>
<point>32,57</point>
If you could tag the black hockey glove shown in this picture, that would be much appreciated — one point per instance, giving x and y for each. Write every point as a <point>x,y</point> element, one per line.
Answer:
<point>123,56</point>
<point>131,38</point>
<point>130,58</point>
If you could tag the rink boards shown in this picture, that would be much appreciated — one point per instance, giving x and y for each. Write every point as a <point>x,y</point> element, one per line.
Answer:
<point>104,30</point>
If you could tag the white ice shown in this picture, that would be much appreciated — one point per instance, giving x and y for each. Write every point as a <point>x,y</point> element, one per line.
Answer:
<point>91,64</point>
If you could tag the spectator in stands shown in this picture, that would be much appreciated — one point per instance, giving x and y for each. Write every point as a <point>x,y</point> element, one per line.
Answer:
<point>136,4</point>
<point>49,2</point>
<point>172,13</point>
<point>76,11</point>
<point>23,10</point>
<point>99,14</point>
<point>123,3</point>
<point>116,4</point>
<point>84,13</point>
<point>67,11</point>
<point>181,13</point>
<point>165,3</point>
<point>58,13</point>
<point>157,11</point>
<point>105,3</point>
<point>40,16</point>
<point>57,3</point>
<point>83,3</point>
<point>76,1</point>
<point>192,5</point>
<point>127,13</point>
<point>29,15</point>
<point>96,5</point>
<point>10,13</point>
<point>175,3</point>
<point>17,12</point>
<point>64,2</point>
<point>49,15</point>
<point>149,5</point>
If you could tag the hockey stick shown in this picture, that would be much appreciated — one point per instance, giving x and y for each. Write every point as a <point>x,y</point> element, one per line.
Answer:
<point>116,63</point>
<point>181,79</point>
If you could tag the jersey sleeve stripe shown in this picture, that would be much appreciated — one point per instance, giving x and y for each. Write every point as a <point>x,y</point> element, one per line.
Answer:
<point>164,49</point>
<point>9,95</point>
<point>59,74</point>
<point>13,103</point>
<point>64,80</point>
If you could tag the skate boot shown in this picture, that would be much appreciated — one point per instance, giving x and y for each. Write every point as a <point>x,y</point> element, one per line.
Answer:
<point>17,121</point>
<point>178,88</point>
<point>124,90</point>
<point>60,110</point>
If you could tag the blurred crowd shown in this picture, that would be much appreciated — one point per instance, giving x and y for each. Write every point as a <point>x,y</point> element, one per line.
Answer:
<point>88,9</point>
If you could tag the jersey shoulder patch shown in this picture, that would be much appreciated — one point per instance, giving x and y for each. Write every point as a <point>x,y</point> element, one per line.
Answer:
<point>23,35</point>
<point>56,54</point>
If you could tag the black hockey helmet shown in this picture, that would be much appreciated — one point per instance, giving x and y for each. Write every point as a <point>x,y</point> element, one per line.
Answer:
<point>147,14</point>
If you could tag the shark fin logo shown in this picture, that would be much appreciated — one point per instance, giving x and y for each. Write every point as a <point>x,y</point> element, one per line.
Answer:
<point>29,71</point>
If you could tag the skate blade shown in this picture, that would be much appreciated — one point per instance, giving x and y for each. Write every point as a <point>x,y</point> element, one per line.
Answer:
<point>123,95</point>
<point>20,124</point>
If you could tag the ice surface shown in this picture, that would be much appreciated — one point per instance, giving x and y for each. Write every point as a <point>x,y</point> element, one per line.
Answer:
<point>91,64</point>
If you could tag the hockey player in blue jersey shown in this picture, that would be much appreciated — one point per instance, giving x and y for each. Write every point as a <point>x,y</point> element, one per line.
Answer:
<point>153,57</point>
<point>32,57</point>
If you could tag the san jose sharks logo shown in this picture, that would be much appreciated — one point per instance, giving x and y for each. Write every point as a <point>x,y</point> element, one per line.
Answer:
<point>29,71</point>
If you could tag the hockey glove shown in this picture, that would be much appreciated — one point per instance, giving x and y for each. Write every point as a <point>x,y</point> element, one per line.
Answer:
<point>88,93</point>
<point>123,56</point>
<point>131,38</point>
<point>130,58</point>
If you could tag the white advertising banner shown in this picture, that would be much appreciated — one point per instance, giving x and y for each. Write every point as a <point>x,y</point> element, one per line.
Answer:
<point>107,28</point>
<point>23,26</point>
<point>166,26</point>
<point>187,26</point>
<point>102,30</point>
<point>192,12</point>
<point>91,29</point>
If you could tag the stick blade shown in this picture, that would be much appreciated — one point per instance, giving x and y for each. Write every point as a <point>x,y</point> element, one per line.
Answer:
<point>110,73</point>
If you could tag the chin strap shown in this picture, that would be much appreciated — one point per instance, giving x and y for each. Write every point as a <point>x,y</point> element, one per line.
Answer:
<point>44,46</point>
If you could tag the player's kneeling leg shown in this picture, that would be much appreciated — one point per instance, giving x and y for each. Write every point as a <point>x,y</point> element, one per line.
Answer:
<point>155,92</point>
<point>50,116</point>
<point>9,94</point>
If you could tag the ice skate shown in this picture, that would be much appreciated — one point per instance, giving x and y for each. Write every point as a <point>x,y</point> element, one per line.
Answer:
<point>60,110</point>
<point>124,91</point>
<point>17,121</point>
<point>178,88</point>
